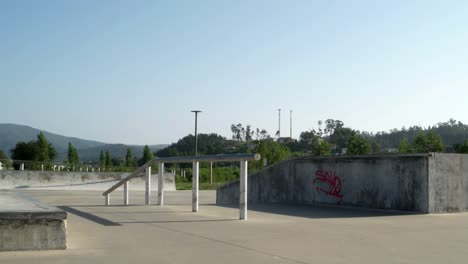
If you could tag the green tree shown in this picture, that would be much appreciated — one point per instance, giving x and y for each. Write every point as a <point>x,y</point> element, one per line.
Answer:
<point>72,157</point>
<point>147,155</point>
<point>248,133</point>
<point>404,147</point>
<point>102,159</point>
<point>271,150</point>
<point>375,147</point>
<point>108,160</point>
<point>25,151</point>
<point>461,148</point>
<point>430,142</point>
<point>39,150</point>
<point>52,153</point>
<point>358,145</point>
<point>116,162</point>
<point>341,136</point>
<point>4,159</point>
<point>43,148</point>
<point>238,132</point>
<point>321,147</point>
<point>129,161</point>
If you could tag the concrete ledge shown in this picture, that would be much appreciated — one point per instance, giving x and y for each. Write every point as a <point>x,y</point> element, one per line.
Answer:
<point>27,224</point>
<point>75,180</point>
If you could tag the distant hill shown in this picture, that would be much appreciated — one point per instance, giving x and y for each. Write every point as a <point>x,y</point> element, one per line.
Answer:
<point>10,134</point>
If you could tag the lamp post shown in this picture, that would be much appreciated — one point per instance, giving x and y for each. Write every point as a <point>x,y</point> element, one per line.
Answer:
<point>196,139</point>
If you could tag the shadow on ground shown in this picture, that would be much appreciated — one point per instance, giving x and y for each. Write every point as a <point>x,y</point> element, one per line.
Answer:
<point>106,222</point>
<point>323,211</point>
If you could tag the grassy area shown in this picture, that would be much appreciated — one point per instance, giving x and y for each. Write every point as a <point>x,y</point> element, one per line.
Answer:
<point>221,176</point>
<point>203,185</point>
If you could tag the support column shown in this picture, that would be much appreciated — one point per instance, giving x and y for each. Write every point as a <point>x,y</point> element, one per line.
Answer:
<point>148,186</point>
<point>161,184</point>
<point>195,174</point>
<point>211,172</point>
<point>107,199</point>
<point>126,193</point>
<point>243,190</point>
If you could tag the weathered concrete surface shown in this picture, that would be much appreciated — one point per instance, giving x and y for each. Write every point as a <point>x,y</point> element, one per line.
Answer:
<point>397,182</point>
<point>26,224</point>
<point>53,180</point>
<point>448,183</point>
<point>274,233</point>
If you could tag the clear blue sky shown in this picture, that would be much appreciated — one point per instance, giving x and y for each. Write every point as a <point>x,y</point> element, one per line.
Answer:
<point>131,71</point>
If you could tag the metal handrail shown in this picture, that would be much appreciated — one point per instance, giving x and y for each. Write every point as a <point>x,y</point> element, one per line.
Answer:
<point>184,159</point>
<point>243,160</point>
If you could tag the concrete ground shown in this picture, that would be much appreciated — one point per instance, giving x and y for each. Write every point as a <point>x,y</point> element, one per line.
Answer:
<point>273,234</point>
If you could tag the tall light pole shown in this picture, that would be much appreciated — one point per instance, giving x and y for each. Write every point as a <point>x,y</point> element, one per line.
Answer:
<point>290,124</point>
<point>196,121</point>
<point>279,122</point>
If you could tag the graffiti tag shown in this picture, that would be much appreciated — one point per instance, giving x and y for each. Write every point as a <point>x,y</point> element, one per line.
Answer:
<point>333,184</point>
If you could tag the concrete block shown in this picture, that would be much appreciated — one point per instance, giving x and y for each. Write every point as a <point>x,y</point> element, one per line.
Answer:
<point>26,224</point>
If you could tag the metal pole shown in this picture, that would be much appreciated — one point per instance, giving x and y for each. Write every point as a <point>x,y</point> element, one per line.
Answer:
<point>161,184</point>
<point>196,137</point>
<point>148,186</point>
<point>126,193</point>
<point>211,172</point>
<point>196,123</point>
<point>290,124</point>
<point>195,171</point>
<point>279,123</point>
<point>243,190</point>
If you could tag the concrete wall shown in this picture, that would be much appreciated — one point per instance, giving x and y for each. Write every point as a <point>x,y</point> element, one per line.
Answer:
<point>53,180</point>
<point>34,234</point>
<point>448,183</point>
<point>386,182</point>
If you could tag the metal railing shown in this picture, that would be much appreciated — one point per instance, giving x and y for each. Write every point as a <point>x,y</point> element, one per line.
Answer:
<point>243,159</point>
<point>31,165</point>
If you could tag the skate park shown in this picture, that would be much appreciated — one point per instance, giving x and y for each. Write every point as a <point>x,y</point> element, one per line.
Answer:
<point>135,226</point>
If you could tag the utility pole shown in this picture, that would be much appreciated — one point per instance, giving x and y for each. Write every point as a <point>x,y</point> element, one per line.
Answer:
<point>290,124</point>
<point>279,122</point>
<point>196,121</point>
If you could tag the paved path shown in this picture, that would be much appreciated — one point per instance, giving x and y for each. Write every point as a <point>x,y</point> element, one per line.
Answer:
<point>273,234</point>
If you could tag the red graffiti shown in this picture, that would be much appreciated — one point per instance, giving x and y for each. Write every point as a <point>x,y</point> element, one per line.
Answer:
<point>334,183</point>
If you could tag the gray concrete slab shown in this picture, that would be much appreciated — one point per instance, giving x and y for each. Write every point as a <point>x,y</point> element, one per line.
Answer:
<point>27,224</point>
<point>273,233</point>
<point>17,206</point>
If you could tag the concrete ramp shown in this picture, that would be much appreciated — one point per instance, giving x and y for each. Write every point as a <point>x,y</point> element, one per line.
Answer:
<point>428,183</point>
<point>26,224</point>
<point>97,181</point>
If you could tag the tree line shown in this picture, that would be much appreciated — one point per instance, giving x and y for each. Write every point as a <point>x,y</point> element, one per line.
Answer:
<point>41,153</point>
<point>331,137</point>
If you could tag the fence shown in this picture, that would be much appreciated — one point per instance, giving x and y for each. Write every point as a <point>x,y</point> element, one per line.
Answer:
<point>57,166</point>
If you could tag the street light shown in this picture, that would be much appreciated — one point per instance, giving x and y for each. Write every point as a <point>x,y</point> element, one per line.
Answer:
<point>196,139</point>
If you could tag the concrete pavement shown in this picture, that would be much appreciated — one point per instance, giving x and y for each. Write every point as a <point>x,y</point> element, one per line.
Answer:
<point>273,233</point>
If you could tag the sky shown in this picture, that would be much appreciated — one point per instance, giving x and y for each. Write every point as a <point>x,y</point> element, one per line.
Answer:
<point>131,71</point>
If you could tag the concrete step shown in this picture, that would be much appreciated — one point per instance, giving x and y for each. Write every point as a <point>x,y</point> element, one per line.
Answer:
<point>27,224</point>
